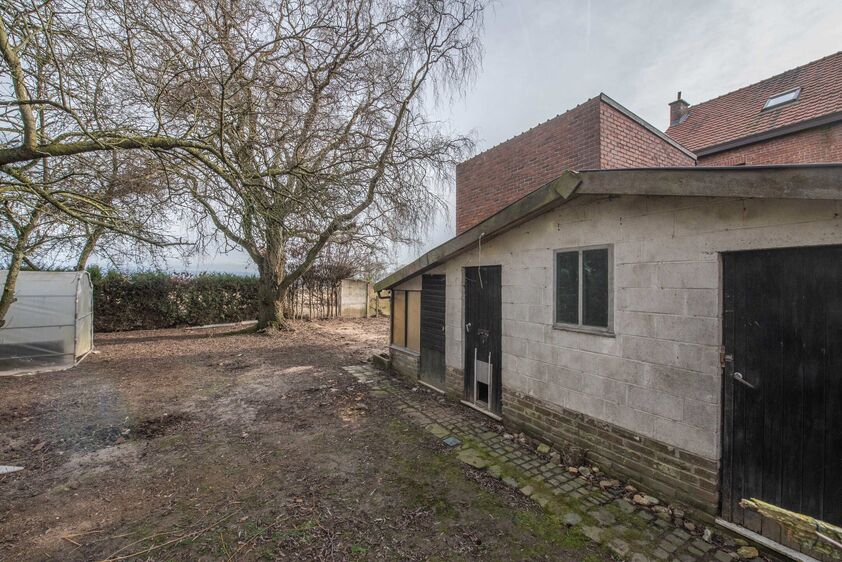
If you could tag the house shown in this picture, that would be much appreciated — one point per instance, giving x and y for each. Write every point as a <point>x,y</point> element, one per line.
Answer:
<point>681,322</point>
<point>794,117</point>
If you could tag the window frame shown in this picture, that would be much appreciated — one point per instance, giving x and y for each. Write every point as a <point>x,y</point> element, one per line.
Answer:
<point>796,91</point>
<point>580,327</point>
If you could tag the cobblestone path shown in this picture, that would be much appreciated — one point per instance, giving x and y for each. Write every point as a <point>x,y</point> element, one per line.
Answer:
<point>630,531</point>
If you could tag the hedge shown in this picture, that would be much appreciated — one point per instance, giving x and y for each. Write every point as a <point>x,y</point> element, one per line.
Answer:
<point>143,301</point>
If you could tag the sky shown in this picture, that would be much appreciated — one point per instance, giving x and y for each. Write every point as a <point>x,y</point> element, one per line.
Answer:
<point>543,57</point>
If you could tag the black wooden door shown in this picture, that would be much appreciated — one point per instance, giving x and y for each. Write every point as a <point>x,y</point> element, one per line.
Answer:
<point>782,391</point>
<point>432,329</point>
<point>483,335</point>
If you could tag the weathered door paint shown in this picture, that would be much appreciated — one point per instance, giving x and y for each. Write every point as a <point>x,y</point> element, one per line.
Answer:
<point>483,335</point>
<point>782,384</point>
<point>433,330</point>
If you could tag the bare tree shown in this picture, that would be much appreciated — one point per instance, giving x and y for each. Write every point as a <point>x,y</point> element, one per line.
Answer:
<point>58,103</point>
<point>54,65</point>
<point>285,125</point>
<point>315,112</point>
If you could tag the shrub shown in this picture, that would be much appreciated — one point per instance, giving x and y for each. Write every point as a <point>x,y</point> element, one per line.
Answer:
<point>144,301</point>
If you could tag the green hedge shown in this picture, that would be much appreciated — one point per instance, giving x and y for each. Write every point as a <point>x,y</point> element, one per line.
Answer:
<point>144,301</point>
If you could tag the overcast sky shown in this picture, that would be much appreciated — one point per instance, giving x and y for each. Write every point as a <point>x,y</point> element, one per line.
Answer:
<point>543,57</point>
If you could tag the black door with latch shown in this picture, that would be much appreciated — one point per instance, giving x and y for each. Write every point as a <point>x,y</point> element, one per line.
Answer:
<point>483,336</point>
<point>782,385</point>
<point>433,330</point>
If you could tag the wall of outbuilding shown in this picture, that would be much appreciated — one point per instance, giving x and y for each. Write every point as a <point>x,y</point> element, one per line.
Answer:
<point>647,399</point>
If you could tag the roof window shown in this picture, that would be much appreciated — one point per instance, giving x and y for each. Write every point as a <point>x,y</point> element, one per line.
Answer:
<point>782,98</point>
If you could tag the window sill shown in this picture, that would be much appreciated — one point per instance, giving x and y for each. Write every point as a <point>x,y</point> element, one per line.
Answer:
<point>405,350</point>
<point>604,332</point>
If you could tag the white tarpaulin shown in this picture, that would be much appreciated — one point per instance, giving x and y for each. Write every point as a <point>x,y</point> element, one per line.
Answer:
<point>50,324</point>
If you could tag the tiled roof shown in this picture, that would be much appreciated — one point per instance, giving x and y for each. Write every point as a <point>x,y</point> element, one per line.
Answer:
<point>740,114</point>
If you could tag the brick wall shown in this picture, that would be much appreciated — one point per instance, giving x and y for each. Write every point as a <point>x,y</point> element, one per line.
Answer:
<point>503,174</point>
<point>820,144</point>
<point>404,362</point>
<point>672,474</point>
<point>590,136</point>
<point>624,143</point>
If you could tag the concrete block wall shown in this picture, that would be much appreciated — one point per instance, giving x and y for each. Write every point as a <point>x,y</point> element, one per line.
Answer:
<point>354,298</point>
<point>658,375</point>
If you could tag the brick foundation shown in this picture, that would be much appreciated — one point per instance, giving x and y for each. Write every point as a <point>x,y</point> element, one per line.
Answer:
<point>671,474</point>
<point>667,472</point>
<point>405,362</point>
<point>454,384</point>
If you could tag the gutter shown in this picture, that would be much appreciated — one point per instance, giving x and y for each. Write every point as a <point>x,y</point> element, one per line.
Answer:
<point>805,181</point>
<point>773,133</point>
<point>527,207</point>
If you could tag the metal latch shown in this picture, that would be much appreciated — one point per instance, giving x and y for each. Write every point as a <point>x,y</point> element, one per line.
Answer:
<point>739,378</point>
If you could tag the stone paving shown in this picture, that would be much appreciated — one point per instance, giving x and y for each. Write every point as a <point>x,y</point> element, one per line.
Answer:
<point>632,532</point>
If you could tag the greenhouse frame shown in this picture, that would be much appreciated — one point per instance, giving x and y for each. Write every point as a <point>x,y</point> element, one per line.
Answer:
<point>49,327</point>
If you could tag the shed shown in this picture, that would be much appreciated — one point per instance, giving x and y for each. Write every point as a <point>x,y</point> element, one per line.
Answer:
<point>681,325</point>
<point>50,324</point>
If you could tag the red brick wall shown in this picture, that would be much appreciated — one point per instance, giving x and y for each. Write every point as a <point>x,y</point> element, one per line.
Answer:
<point>590,136</point>
<point>625,143</point>
<point>503,174</point>
<point>821,144</point>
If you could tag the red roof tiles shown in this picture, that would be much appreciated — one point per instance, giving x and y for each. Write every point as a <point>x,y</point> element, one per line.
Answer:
<point>740,114</point>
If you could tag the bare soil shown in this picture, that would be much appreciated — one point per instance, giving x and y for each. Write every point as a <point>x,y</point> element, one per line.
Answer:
<point>219,445</point>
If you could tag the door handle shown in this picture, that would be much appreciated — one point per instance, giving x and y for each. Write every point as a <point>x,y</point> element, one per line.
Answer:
<point>739,378</point>
<point>468,327</point>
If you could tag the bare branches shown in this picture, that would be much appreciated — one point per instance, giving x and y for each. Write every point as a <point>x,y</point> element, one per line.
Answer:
<point>285,126</point>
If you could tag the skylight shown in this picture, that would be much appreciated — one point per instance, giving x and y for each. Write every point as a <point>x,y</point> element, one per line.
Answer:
<point>782,98</point>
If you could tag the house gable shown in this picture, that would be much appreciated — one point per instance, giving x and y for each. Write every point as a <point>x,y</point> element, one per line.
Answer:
<point>746,116</point>
<point>598,134</point>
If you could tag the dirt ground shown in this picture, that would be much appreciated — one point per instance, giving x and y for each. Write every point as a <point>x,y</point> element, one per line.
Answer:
<point>212,445</point>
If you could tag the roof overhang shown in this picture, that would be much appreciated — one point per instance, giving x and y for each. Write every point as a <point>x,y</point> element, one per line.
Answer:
<point>820,181</point>
<point>828,119</point>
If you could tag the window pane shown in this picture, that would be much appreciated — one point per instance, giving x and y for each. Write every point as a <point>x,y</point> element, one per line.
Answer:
<point>399,318</point>
<point>595,288</point>
<point>567,287</point>
<point>413,320</point>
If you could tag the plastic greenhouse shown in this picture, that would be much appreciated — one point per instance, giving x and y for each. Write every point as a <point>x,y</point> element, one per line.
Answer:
<point>50,325</point>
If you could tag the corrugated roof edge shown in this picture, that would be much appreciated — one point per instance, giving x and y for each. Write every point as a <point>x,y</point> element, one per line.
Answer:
<point>806,181</point>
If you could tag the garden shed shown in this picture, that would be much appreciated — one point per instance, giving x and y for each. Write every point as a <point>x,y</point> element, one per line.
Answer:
<point>50,324</point>
<point>681,325</point>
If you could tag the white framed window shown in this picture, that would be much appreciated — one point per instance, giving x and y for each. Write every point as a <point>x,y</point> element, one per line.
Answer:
<point>782,98</point>
<point>584,289</point>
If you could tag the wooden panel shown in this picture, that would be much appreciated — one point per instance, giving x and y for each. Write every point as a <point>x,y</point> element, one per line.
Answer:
<point>483,327</point>
<point>413,320</point>
<point>399,318</point>
<point>728,408</point>
<point>833,395</point>
<point>782,439</point>
<point>433,312</point>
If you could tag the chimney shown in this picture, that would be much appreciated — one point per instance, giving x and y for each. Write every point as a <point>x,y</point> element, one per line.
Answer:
<point>679,110</point>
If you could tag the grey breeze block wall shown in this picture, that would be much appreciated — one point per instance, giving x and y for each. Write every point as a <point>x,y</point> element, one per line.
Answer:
<point>354,298</point>
<point>659,377</point>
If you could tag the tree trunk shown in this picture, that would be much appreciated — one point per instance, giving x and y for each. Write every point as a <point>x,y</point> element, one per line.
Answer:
<point>271,296</point>
<point>88,248</point>
<point>18,255</point>
<point>273,287</point>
